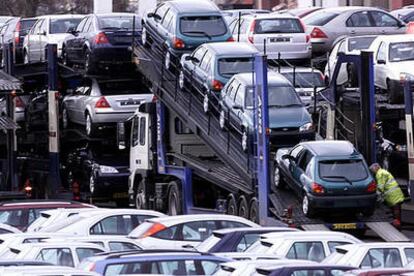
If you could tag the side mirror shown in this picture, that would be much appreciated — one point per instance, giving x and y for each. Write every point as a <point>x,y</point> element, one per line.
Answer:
<point>42,33</point>
<point>188,57</point>
<point>237,107</point>
<point>150,14</point>
<point>188,246</point>
<point>120,135</point>
<point>381,61</point>
<point>287,156</point>
<point>73,31</point>
<point>401,24</point>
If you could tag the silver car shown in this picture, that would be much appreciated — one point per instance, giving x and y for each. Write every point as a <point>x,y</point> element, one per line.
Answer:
<point>279,35</point>
<point>328,25</point>
<point>98,103</point>
<point>20,107</point>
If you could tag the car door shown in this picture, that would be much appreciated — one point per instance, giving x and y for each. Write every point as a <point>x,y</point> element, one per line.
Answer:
<point>382,258</point>
<point>299,176</point>
<point>237,114</point>
<point>204,70</point>
<point>77,40</point>
<point>56,256</point>
<point>288,165</point>
<point>306,250</point>
<point>153,23</point>
<point>43,39</point>
<point>386,24</point>
<point>194,67</point>
<point>81,100</point>
<point>380,71</point>
<point>359,23</point>
<point>34,42</point>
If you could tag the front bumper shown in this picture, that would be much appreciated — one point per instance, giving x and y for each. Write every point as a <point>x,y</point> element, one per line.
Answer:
<point>347,202</point>
<point>289,138</point>
<point>111,186</point>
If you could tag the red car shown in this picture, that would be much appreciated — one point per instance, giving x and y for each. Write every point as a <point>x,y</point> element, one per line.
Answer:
<point>378,272</point>
<point>21,213</point>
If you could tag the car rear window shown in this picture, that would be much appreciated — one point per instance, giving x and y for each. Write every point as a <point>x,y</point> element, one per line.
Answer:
<point>26,25</point>
<point>202,26</point>
<point>319,18</point>
<point>305,79</point>
<point>342,170</point>
<point>401,51</point>
<point>278,96</point>
<point>122,88</point>
<point>227,67</point>
<point>60,26</point>
<point>118,22</point>
<point>272,26</point>
<point>359,43</point>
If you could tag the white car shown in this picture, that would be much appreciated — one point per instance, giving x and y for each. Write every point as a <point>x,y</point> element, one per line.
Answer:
<point>108,242</point>
<point>279,35</point>
<point>57,253</point>
<point>373,255</point>
<point>49,29</point>
<point>48,270</point>
<point>109,222</point>
<point>50,217</point>
<point>393,56</point>
<point>351,45</point>
<point>307,245</point>
<point>8,229</point>
<point>185,230</point>
<point>243,268</point>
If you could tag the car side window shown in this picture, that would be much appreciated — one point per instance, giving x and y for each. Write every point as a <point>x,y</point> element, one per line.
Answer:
<point>239,97</point>
<point>206,63</point>
<point>359,19</point>
<point>234,26</point>
<point>409,254</point>
<point>160,11</point>
<point>246,241</point>
<point>116,225</point>
<point>56,256</point>
<point>312,251</point>
<point>209,267</point>
<point>305,158</point>
<point>85,26</point>
<point>382,257</point>
<point>88,26</point>
<point>36,28</point>
<point>295,152</point>
<point>233,91</point>
<point>244,26</point>
<point>382,54</point>
<point>226,92</point>
<point>232,224</point>
<point>167,18</point>
<point>84,253</point>
<point>43,28</point>
<point>79,28</point>
<point>199,54</point>
<point>381,19</point>
<point>198,230</point>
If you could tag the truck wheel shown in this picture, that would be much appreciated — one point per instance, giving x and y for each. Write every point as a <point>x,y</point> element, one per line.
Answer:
<point>232,205</point>
<point>174,200</point>
<point>243,207</point>
<point>306,207</point>
<point>89,66</point>
<point>254,210</point>
<point>140,201</point>
<point>65,59</point>
<point>276,181</point>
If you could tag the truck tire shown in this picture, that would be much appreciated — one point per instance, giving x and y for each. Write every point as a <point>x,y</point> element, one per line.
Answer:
<point>174,199</point>
<point>243,207</point>
<point>254,210</point>
<point>232,205</point>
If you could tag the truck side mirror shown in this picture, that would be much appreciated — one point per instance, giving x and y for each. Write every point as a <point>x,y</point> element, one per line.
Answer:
<point>120,135</point>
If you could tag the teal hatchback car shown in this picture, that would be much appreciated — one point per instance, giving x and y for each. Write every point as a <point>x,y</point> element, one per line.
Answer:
<point>326,175</point>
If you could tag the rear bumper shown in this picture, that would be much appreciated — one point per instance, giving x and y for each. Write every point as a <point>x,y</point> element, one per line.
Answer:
<point>351,201</point>
<point>112,55</point>
<point>110,116</point>
<point>320,46</point>
<point>286,54</point>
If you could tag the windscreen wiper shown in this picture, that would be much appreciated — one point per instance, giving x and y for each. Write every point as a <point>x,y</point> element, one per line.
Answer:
<point>339,177</point>
<point>198,32</point>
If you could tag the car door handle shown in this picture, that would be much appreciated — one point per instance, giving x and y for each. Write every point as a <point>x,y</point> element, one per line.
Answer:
<point>352,32</point>
<point>383,31</point>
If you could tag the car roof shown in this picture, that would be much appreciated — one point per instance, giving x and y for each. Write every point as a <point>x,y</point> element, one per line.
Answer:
<point>309,265</point>
<point>273,78</point>
<point>346,8</point>
<point>62,16</point>
<point>303,234</point>
<point>42,202</point>
<point>250,229</point>
<point>349,247</point>
<point>185,6</point>
<point>330,148</point>
<point>396,38</point>
<point>173,220</point>
<point>233,48</point>
<point>115,14</point>
<point>272,16</point>
<point>56,244</point>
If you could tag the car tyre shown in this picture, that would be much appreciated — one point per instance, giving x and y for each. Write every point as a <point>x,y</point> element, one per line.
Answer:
<point>244,140</point>
<point>206,103</point>
<point>181,80</point>
<point>232,205</point>
<point>144,37</point>
<point>92,184</point>
<point>243,207</point>
<point>277,181</point>
<point>26,59</point>
<point>307,208</point>
<point>89,126</point>
<point>174,200</point>
<point>254,210</point>
<point>167,60</point>
<point>89,68</point>
<point>222,119</point>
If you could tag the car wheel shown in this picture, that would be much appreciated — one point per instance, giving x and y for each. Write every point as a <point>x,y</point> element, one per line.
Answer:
<point>65,59</point>
<point>277,181</point>
<point>254,210</point>
<point>167,60</point>
<point>205,103</point>
<point>243,208</point>
<point>144,37</point>
<point>26,58</point>
<point>232,205</point>
<point>306,207</point>
<point>88,63</point>
<point>65,118</point>
<point>181,80</point>
<point>92,184</point>
<point>244,140</point>
<point>140,202</point>
<point>174,200</point>
<point>222,119</point>
<point>89,126</point>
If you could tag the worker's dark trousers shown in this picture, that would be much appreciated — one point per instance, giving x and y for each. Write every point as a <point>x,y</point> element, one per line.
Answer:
<point>396,213</point>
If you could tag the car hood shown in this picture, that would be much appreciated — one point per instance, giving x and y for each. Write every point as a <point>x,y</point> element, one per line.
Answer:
<point>288,117</point>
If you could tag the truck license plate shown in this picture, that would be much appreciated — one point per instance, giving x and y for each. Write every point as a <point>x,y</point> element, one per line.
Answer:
<point>344,226</point>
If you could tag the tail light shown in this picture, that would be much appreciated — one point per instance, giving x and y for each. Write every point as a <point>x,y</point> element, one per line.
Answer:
<point>372,187</point>
<point>102,103</point>
<point>76,191</point>
<point>155,228</point>
<point>307,38</point>
<point>90,267</point>
<point>317,188</point>
<point>154,99</point>
<point>231,39</point>
<point>101,38</point>
<point>318,33</point>
<point>178,43</point>
<point>216,85</point>
<point>28,188</point>
<point>251,32</point>
<point>19,102</point>
<point>17,33</point>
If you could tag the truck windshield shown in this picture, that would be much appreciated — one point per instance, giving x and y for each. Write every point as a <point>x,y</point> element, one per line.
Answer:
<point>278,96</point>
<point>61,26</point>
<point>401,51</point>
<point>204,26</point>
<point>228,67</point>
<point>342,170</point>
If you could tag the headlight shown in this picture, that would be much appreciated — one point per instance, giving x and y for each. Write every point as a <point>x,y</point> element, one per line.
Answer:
<point>306,127</point>
<point>107,169</point>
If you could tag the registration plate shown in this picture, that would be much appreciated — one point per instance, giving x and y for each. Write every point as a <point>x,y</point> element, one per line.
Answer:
<point>344,226</point>
<point>120,195</point>
<point>279,39</point>
<point>130,102</point>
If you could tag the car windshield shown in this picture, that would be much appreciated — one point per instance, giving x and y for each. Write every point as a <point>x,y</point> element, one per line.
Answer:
<point>278,96</point>
<point>228,67</point>
<point>122,22</point>
<point>121,87</point>
<point>271,26</point>
<point>401,51</point>
<point>360,43</point>
<point>61,26</point>
<point>319,18</point>
<point>305,79</point>
<point>204,26</point>
<point>342,170</point>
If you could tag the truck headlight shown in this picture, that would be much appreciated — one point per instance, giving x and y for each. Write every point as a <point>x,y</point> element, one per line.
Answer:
<point>306,127</point>
<point>107,169</point>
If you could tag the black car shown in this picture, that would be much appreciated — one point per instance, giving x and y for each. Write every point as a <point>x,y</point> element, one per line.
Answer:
<point>14,32</point>
<point>308,269</point>
<point>236,240</point>
<point>101,170</point>
<point>101,40</point>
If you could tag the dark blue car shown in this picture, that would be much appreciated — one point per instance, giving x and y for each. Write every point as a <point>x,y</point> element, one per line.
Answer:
<point>101,40</point>
<point>158,262</point>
